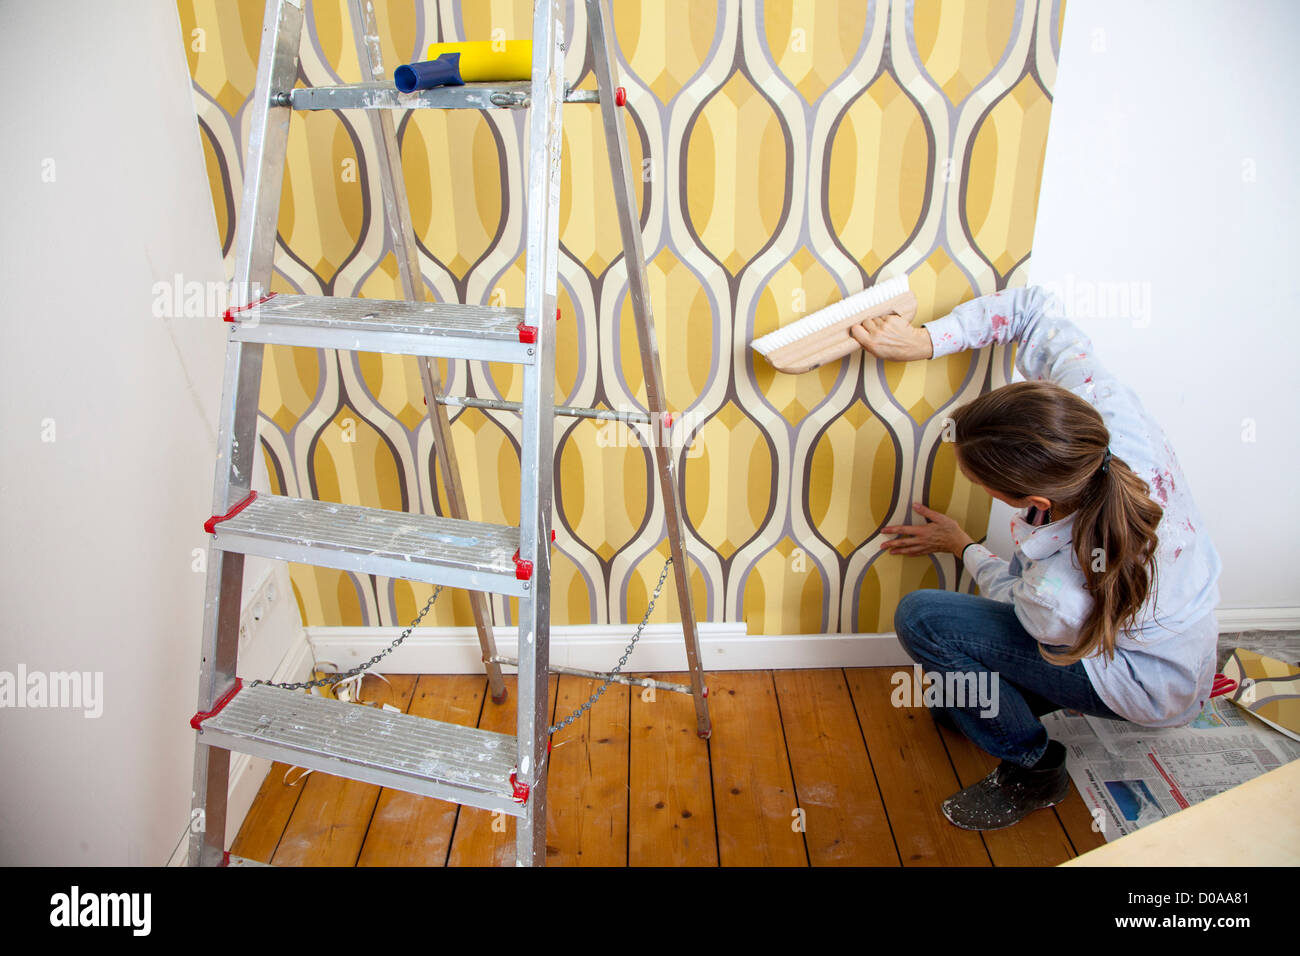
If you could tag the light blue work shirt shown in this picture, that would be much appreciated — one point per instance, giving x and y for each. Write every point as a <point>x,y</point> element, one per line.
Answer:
<point>1164,663</point>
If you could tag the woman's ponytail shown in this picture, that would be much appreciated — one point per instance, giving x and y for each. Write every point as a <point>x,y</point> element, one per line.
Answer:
<point>1114,543</point>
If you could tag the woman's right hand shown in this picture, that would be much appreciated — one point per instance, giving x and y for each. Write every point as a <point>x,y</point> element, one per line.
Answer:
<point>893,338</point>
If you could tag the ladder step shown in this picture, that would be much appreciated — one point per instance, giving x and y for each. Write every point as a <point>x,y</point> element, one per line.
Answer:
<point>462,764</point>
<point>607,675</point>
<point>515,94</point>
<point>443,329</point>
<point>570,411</point>
<point>462,554</point>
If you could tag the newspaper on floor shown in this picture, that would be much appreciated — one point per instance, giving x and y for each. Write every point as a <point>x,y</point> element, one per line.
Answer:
<point>1130,775</point>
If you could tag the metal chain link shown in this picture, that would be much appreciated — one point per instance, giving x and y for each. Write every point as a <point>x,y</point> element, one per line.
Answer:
<point>360,668</point>
<point>663,575</point>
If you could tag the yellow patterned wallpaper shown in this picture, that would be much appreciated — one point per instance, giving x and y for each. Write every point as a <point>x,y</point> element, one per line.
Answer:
<point>791,152</point>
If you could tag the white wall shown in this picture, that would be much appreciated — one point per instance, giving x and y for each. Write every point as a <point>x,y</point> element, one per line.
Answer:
<point>100,523</point>
<point>1171,163</point>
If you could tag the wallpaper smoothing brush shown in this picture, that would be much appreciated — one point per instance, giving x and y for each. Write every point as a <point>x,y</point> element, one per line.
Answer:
<point>824,336</point>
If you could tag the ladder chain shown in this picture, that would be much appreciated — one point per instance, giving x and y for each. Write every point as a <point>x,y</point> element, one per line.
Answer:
<point>663,575</point>
<point>363,667</point>
<point>360,668</point>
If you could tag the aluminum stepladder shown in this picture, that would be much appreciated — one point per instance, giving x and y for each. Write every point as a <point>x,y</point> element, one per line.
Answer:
<point>460,764</point>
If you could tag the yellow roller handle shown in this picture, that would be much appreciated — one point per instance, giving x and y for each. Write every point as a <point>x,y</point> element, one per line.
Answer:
<point>484,60</point>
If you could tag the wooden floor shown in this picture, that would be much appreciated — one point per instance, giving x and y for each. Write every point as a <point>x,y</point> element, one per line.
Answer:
<point>631,784</point>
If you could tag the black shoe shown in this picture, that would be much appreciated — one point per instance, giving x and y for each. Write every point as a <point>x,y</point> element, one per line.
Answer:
<point>1010,793</point>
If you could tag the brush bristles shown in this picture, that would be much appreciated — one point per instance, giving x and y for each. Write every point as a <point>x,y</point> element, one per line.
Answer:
<point>858,302</point>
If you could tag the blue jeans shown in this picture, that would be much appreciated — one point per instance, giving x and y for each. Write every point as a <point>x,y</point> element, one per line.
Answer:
<point>980,641</point>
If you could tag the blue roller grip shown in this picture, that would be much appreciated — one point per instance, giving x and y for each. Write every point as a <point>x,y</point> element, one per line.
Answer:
<point>444,71</point>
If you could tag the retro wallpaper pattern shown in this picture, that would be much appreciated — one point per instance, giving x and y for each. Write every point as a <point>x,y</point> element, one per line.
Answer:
<point>791,152</point>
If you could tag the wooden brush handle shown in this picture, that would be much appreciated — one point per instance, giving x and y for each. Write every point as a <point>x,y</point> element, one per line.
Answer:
<point>835,341</point>
<point>829,353</point>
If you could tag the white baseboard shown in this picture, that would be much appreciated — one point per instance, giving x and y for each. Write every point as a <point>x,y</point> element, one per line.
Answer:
<point>248,772</point>
<point>1234,619</point>
<point>724,646</point>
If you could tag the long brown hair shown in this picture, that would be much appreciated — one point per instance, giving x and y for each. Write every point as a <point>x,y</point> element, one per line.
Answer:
<point>1036,438</point>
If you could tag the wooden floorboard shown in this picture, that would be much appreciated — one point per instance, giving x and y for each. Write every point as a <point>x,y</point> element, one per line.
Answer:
<point>269,815</point>
<point>670,798</point>
<point>804,767</point>
<point>844,818</point>
<point>753,790</point>
<point>484,837</point>
<point>408,829</point>
<point>914,774</point>
<point>586,790</point>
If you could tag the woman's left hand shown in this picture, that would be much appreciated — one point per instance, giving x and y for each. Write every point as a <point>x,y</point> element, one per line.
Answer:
<point>940,533</point>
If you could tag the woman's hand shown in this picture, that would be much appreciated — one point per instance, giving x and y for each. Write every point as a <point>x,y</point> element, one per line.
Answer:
<point>892,337</point>
<point>940,533</point>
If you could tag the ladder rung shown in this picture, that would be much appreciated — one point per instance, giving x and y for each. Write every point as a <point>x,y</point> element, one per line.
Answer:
<point>501,405</point>
<point>414,547</point>
<point>606,675</point>
<point>444,329</point>
<point>515,94</point>
<point>462,764</point>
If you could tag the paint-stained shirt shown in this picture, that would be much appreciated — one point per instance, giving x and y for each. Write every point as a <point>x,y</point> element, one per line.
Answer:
<point>1164,662</point>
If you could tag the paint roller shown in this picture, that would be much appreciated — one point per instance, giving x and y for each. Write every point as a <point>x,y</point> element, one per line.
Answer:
<point>824,336</point>
<point>474,61</point>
